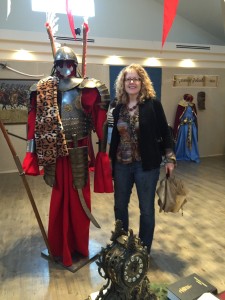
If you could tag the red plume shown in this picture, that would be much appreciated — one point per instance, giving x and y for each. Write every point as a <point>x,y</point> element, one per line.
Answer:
<point>70,18</point>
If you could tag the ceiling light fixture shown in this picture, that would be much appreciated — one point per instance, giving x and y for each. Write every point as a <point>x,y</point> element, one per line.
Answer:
<point>79,7</point>
<point>23,55</point>
<point>187,63</point>
<point>152,61</point>
<point>114,60</point>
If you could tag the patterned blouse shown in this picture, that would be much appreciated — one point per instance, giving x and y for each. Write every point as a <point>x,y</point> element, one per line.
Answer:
<point>128,127</point>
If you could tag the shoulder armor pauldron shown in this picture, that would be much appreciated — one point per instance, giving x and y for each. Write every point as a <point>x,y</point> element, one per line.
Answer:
<point>102,89</point>
<point>34,86</point>
<point>65,84</point>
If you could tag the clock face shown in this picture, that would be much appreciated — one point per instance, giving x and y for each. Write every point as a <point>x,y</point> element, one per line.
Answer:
<point>135,268</point>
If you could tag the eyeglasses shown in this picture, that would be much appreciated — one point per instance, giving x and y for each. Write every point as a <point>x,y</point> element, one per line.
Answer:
<point>135,80</point>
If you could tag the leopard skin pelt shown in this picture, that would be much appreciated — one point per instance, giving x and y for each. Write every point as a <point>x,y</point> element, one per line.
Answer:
<point>49,136</point>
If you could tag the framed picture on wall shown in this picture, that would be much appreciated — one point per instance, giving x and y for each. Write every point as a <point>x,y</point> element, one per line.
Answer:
<point>14,100</point>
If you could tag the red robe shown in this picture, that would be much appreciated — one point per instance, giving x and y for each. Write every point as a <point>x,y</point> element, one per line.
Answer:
<point>68,230</point>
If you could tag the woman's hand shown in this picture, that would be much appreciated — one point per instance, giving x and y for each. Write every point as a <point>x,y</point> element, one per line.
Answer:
<point>169,168</point>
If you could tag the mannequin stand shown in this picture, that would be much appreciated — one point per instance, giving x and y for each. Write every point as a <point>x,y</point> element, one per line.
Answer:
<point>79,261</point>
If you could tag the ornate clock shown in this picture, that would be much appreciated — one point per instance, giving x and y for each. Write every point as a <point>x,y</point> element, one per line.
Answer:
<point>124,264</point>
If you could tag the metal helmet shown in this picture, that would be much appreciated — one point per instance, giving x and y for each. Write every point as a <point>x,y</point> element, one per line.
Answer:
<point>65,63</point>
<point>65,53</point>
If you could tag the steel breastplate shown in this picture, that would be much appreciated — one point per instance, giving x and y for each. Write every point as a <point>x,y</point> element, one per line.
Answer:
<point>73,118</point>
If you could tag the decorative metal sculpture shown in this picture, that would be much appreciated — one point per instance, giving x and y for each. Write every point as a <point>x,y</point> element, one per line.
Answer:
<point>124,264</point>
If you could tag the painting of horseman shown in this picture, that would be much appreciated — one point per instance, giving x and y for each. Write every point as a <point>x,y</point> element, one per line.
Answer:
<point>14,99</point>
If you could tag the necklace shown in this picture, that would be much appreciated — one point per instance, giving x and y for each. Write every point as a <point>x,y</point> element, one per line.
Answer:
<point>132,108</point>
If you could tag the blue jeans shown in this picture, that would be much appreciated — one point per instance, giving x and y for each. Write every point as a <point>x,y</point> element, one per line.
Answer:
<point>124,178</point>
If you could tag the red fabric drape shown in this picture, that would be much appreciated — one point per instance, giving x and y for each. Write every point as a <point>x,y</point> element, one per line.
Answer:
<point>68,228</point>
<point>30,162</point>
<point>70,18</point>
<point>102,177</point>
<point>170,8</point>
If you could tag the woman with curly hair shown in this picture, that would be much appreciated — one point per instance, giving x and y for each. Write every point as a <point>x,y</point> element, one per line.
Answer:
<point>139,125</point>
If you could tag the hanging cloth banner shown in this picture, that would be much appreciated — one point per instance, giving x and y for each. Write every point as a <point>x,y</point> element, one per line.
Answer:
<point>170,8</point>
<point>70,18</point>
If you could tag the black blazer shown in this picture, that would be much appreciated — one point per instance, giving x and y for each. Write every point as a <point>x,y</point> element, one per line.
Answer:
<point>152,126</point>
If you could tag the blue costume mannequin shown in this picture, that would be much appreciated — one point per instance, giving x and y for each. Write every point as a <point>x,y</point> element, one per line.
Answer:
<point>186,130</point>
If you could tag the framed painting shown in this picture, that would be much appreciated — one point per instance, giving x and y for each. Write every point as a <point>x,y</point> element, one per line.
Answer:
<point>14,100</point>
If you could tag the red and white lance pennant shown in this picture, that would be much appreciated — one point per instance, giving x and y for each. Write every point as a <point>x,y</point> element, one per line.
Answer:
<point>70,18</point>
<point>85,32</point>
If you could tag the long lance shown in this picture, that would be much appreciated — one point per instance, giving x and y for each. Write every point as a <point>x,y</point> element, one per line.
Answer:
<point>84,55</point>
<point>26,185</point>
<point>51,38</point>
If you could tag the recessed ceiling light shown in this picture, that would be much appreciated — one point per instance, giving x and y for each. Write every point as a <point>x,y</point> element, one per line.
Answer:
<point>187,63</point>
<point>23,55</point>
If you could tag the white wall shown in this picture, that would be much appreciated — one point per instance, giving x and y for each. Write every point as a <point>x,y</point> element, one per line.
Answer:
<point>211,121</point>
<point>7,163</point>
<point>123,19</point>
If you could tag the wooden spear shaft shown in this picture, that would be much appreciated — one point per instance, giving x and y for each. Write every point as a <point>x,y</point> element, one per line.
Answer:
<point>26,185</point>
<point>84,54</point>
<point>51,38</point>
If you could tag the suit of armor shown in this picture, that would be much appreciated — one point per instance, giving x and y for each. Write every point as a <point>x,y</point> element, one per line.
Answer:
<point>64,110</point>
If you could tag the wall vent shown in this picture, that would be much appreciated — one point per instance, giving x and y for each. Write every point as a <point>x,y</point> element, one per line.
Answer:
<point>65,38</point>
<point>193,47</point>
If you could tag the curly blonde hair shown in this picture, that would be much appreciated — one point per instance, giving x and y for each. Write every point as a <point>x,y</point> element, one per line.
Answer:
<point>147,89</point>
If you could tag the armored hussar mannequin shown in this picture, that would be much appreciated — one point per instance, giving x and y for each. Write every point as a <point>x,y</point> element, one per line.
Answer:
<point>64,109</point>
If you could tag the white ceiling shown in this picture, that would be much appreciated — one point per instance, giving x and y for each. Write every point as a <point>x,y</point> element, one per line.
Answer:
<point>209,15</point>
<point>198,22</point>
